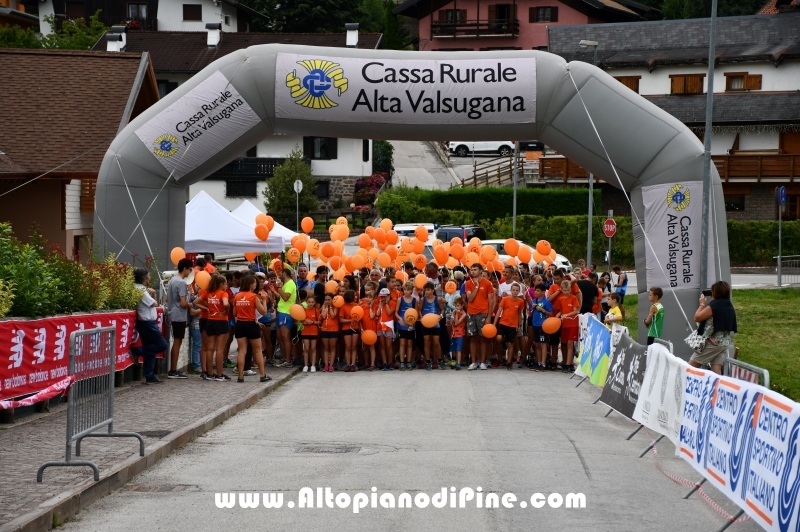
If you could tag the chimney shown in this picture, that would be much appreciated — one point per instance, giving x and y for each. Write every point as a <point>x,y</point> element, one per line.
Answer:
<point>116,39</point>
<point>352,35</point>
<point>214,34</point>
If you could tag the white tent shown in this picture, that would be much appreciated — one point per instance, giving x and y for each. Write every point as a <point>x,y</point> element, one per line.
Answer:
<point>247,213</point>
<point>211,228</point>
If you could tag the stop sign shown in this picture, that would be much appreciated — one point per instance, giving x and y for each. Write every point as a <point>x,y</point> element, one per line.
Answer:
<point>610,227</point>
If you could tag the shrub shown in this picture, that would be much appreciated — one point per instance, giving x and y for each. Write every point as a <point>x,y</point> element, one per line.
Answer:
<point>116,279</point>
<point>754,243</point>
<point>6,297</point>
<point>402,210</point>
<point>367,188</point>
<point>82,286</point>
<point>383,157</point>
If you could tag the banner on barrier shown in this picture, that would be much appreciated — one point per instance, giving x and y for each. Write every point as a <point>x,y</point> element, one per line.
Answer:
<point>625,375</point>
<point>745,440</point>
<point>594,351</point>
<point>660,401</point>
<point>35,353</point>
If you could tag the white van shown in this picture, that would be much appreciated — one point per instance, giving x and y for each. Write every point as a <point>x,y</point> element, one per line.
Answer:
<point>464,148</point>
<point>409,230</point>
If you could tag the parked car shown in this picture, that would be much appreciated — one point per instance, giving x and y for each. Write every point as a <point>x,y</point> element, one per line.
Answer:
<point>409,230</point>
<point>464,232</point>
<point>503,148</point>
<point>560,262</point>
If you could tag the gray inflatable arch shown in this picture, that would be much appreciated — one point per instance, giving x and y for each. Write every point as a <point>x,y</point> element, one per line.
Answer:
<point>142,184</point>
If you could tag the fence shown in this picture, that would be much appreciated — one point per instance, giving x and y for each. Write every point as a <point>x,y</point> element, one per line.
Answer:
<point>498,172</point>
<point>746,372</point>
<point>788,270</point>
<point>92,356</point>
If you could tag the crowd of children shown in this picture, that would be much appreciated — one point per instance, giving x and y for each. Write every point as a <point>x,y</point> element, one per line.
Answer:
<point>375,321</point>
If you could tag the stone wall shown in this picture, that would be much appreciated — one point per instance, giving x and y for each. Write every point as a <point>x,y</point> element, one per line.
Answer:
<point>759,200</point>
<point>340,188</point>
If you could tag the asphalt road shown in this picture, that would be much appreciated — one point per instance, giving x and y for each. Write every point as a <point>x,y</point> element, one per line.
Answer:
<point>416,432</point>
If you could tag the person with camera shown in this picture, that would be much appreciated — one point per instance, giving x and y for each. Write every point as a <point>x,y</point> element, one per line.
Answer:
<point>717,325</point>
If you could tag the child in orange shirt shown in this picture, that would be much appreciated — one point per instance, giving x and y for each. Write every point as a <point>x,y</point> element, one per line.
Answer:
<point>508,313</point>
<point>370,323</point>
<point>569,310</point>
<point>310,333</point>
<point>349,331</point>
<point>329,315</point>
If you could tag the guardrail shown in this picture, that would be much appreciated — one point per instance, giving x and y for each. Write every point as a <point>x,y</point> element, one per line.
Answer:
<point>746,372</point>
<point>497,172</point>
<point>92,357</point>
<point>788,270</point>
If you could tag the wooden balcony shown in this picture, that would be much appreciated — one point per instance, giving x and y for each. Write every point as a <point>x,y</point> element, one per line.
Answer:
<point>257,168</point>
<point>744,168</point>
<point>475,28</point>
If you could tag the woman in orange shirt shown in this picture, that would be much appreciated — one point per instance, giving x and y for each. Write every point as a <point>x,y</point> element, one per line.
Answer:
<point>370,323</point>
<point>310,333</point>
<point>245,304</point>
<point>329,333</point>
<point>217,328</point>
<point>349,331</point>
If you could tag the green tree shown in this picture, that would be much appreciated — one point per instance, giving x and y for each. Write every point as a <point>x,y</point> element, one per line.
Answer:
<point>16,37</point>
<point>280,195</point>
<point>682,9</point>
<point>395,37</point>
<point>75,34</point>
<point>372,16</point>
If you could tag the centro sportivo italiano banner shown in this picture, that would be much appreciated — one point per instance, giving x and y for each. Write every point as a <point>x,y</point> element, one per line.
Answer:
<point>745,439</point>
<point>406,91</point>
<point>673,223</point>
<point>199,124</point>
<point>660,400</point>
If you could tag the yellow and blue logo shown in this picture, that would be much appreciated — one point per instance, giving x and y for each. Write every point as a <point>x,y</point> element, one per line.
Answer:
<point>310,91</point>
<point>166,145</point>
<point>678,197</point>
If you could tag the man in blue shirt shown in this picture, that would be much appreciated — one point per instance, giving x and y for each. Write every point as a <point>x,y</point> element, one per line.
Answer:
<point>540,309</point>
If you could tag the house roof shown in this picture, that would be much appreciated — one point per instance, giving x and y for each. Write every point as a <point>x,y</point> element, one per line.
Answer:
<point>773,7</point>
<point>66,103</point>
<point>602,9</point>
<point>187,51</point>
<point>734,108</point>
<point>663,42</point>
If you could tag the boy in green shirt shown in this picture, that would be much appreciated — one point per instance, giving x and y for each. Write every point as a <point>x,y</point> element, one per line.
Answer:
<point>655,319</point>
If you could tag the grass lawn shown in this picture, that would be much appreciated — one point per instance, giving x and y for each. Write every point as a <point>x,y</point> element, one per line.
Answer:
<point>769,333</point>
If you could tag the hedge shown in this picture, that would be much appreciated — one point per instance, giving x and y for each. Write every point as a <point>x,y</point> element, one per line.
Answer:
<point>751,243</point>
<point>490,203</point>
<point>401,209</point>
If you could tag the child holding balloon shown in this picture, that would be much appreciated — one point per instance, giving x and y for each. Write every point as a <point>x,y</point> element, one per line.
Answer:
<point>405,324</point>
<point>430,310</point>
<point>459,330</point>
<point>508,313</point>
<point>388,307</point>
<point>310,333</point>
<point>349,326</point>
<point>540,310</point>
<point>570,308</point>
<point>369,322</point>
<point>329,333</point>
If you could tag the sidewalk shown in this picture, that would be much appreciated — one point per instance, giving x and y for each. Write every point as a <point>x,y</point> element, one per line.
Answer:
<point>167,415</point>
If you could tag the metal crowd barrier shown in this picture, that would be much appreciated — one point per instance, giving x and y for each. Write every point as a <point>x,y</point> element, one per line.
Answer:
<point>92,356</point>
<point>746,372</point>
<point>788,270</point>
<point>665,343</point>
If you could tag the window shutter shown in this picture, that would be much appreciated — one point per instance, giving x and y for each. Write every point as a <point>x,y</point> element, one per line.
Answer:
<point>678,83</point>
<point>365,151</point>
<point>442,15</point>
<point>554,14</point>
<point>332,148</point>
<point>492,13</point>
<point>752,82</point>
<point>694,84</point>
<point>514,12</point>
<point>532,11</point>
<point>462,16</point>
<point>308,147</point>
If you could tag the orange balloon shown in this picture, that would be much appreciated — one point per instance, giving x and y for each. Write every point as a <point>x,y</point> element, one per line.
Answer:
<point>384,260</point>
<point>487,253</point>
<point>411,316</point>
<point>338,301</point>
<point>392,237</point>
<point>202,278</point>
<point>276,265</point>
<point>451,287</point>
<point>379,235</point>
<point>348,264</point>
<point>512,262</point>
<point>419,280</point>
<point>475,240</point>
<point>297,312</point>
<point>176,255</point>
<point>392,252</point>
<point>250,256</point>
<point>552,254</point>
<point>313,247</point>
<point>407,245</point>
<point>489,330</point>
<point>524,254</point>
<point>493,266</point>
<point>452,263</point>
<point>341,220</point>
<point>512,247</point>
<point>420,261</point>
<point>327,249</point>
<point>363,253</point>
<point>538,257</point>
<point>386,225</point>
<point>261,231</point>
<point>369,337</point>
<point>472,258</point>
<point>419,246</point>
<point>263,219</point>
<point>369,230</point>
<point>364,241</point>
<point>551,325</point>
<point>473,247</point>
<point>373,253</point>
<point>270,222</point>
<point>456,240</point>
<point>300,245</point>
<point>430,320</point>
<point>338,248</point>
<point>421,233</point>
<point>357,261</point>
<point>335,263</point>
<point>344,232</point>
<point>440,254</point>
<point>400,274</point>
<point>543,247</point>
<point>339,274</point>
<point>402,256</point>
<point>357,313</point>
<point>293,255</point>
<point>457,251</point>
<point>331,287</point>
<point>307,225</point>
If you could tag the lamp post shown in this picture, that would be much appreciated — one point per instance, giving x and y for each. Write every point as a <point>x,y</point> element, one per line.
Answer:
<point>585,44</point>
<point>298,188</point>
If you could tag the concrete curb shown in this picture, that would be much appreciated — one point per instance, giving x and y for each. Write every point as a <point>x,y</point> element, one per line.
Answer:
<point>55,511</point>
<point>446,160</point>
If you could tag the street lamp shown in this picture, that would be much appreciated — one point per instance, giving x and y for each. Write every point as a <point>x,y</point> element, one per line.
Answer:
<point>586,44</point>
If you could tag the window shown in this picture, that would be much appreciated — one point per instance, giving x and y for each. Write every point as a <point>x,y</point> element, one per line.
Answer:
<point>541,48</point>
<point>323,189</point>
<point>742,81</point>
<point>192,12</point>
<point>165,87</point>
<point>455,16</point>
<point>75,10</point>
<point>241,189</point>
<point>791,211</point>
<point>319,148</point>
<point>687,83</point>
<point>137,11</point>
<point>632,82</point>
<point>365,150</point>
<point>543,14</point>
<point>227,20</point>
<point>734,203</point>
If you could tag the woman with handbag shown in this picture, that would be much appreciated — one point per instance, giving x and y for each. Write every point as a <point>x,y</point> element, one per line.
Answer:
<point>717,321</point>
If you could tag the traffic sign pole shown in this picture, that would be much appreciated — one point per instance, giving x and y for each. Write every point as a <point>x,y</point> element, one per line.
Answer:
<point>610,217</point>
<point>298,188</point>
<point>780,199</point>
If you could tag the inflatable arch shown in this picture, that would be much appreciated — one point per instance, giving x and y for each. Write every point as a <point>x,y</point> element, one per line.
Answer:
<point>576,108</point>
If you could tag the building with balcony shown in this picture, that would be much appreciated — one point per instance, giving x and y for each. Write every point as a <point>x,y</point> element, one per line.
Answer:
<point>14,13</point>
<point>756,116</point>
<point>336,163</point>
<point>461,25</point>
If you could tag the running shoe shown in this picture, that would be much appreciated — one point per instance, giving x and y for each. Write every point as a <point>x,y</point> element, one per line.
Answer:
<point>177,375</point>
<point>228,364</point>
<point>240,379</point>
<point>249,372</point>
<point>472,366</point>
<point>483,366</point>
<point>313,369</point>
<point>428,366</point>
<point>305,369</point>
<point>458,366</point>
<point>204,376</point>
<point>265,378</point>
<point>389,367</point>
<point>442,366</point>
<point>222,378</point>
